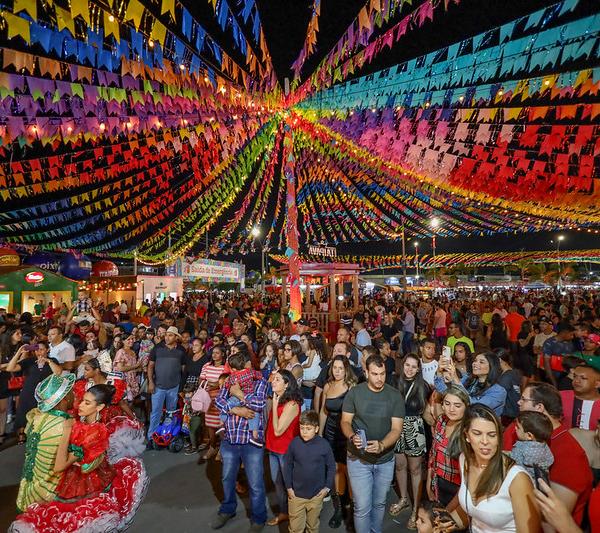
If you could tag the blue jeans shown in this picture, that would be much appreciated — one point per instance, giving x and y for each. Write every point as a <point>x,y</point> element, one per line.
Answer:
<point>370,485</point>
<point>276,468</point>
<point>407,342</point>
<point>252,458</point>
<point>159,398</point>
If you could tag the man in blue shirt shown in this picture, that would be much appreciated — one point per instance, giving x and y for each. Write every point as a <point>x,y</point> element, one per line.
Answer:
<point>236,448</point>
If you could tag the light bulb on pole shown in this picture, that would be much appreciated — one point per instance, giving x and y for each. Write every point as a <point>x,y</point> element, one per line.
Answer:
<point>416,243</point>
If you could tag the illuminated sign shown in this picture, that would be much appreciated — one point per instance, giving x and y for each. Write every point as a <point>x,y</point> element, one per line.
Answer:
<point>34,277</point>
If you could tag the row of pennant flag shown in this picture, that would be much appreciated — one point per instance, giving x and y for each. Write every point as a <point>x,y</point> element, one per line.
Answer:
<point>128,129</point>
<point>458,260</point>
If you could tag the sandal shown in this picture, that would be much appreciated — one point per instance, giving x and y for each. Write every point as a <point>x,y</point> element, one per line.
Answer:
<point>412,521</point>
<point>278,520</point>
<point>397,508</point>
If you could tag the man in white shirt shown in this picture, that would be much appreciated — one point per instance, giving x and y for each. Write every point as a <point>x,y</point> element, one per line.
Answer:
<point>429,363</point>
<point>60,349</point>
<point>362,338</point>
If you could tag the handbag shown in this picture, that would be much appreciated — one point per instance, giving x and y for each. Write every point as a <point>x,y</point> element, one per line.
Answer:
<point>16,382</point>
<point>201,399</point>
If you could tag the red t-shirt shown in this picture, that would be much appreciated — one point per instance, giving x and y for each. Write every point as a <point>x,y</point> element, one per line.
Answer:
<point>594,510</point>
<point>514,321</point>
<point>571,467</point>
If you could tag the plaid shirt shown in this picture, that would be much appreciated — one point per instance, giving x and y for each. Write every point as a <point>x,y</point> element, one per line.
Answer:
<point>244,378</point>
<point>236,427</point>
<point>440,462</point>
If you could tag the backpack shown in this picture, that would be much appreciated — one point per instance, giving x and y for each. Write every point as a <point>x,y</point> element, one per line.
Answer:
<point>201,399</point>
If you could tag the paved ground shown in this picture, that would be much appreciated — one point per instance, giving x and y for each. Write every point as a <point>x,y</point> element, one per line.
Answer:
<point>183,497</point>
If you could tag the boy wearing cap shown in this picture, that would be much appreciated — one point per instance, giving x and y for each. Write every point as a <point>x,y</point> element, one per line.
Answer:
<point>45,427</point>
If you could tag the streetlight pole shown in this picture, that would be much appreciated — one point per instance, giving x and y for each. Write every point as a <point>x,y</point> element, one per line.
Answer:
<point>417,258</point>
<point>403,254</point>
<point>256,234</point>
<point>435,222</point>
<point>559,239</point>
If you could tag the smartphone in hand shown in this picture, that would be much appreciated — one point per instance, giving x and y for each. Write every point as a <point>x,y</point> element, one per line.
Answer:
<point>363,438</point>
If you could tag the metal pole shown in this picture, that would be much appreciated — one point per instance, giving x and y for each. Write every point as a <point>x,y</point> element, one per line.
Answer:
<point>433,249</point>
<point>135,262</point>
<point>417,261</point>
<point>262,268</point>
<point>403,253</point>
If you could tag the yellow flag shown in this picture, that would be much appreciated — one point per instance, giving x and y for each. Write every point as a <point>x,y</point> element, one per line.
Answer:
<point>168,6</point>
<point>80,8</point>
<point>64,20</point>
<point>159,33</point>
<point>17,27</point>
<point>30,6</point>
<point>135,11</point>
<point>111,26</point>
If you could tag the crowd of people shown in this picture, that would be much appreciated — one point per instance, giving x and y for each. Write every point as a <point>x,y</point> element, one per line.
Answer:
<point>481,411</point>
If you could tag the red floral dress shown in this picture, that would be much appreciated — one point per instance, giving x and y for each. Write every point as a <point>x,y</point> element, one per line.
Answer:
<point>91,474</point>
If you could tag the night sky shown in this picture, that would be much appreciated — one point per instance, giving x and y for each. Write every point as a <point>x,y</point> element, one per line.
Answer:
<point>285,23</point>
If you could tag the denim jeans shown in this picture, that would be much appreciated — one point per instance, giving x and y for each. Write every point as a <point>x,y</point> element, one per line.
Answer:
<point>252,458</point>
<point>159,398</point>
<point>276,467</point>
<point>407,342</point>
<point>370,485</point>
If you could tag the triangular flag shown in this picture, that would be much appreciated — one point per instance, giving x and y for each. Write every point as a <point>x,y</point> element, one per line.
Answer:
<point>135,11</point>
<point>17,26</point>
<point>111,26</point>
<point>64,20</point>
<point>30,6</point>
<point>168,6</point>
<point>159,32</point>
<point>80,8</point>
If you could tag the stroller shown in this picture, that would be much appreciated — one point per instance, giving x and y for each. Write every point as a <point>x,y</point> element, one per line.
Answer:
<point>169,434</point>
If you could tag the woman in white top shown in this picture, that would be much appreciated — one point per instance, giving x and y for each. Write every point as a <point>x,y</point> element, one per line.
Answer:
<point>495,493</point>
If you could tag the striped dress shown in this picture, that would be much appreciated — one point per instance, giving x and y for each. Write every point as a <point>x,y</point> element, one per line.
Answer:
<point>38,481</point>
<point>211,373</point>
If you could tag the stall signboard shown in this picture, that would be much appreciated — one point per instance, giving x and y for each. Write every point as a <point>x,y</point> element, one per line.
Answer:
<point>393,281</point>
<point>213,271</point>
<point>34,277</point>
<point>324,251</point>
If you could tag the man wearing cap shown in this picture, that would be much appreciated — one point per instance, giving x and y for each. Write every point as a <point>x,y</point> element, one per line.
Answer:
<point>581,406</point>
<point>591,343</point>
<point>164,376</point>
<point>302,327</point>
<point>45,427</point>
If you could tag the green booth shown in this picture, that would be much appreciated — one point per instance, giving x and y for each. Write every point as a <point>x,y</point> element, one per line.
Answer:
<point>21,288</point>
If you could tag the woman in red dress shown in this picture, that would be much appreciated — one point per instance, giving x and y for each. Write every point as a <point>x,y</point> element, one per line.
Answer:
<point>81,455</point>
<point>94,493</point>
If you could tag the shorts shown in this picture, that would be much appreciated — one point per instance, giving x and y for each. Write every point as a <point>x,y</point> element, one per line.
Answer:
<point>412,441</point>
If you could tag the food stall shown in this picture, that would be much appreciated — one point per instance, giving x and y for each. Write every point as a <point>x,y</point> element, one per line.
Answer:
<point>23,287</point>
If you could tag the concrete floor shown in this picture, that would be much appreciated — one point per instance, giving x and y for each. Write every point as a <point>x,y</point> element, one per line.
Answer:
<point>183,497</point>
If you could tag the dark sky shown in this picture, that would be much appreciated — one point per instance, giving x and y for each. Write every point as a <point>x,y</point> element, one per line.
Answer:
<point>285,22</point>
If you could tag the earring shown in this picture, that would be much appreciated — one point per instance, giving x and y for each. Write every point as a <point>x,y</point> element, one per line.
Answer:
<point>97,416</point>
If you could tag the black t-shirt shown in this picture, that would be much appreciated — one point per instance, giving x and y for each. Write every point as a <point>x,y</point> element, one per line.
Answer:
<point>167,365</point>
<point>193,368</point>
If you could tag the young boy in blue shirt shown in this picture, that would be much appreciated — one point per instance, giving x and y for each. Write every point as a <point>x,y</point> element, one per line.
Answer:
<point>308,474</point>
